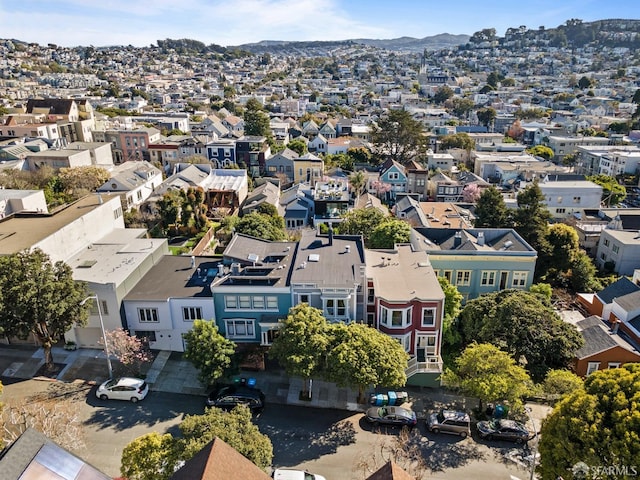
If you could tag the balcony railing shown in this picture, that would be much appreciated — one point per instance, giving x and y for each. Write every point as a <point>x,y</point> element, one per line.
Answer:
<point>430,365</point>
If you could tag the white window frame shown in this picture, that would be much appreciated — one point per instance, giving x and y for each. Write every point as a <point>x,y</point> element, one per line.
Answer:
<point>231,325</point>
<point>405,341</point>
<point>189,314</point>
<point>463,282</point>
<point>519,279</point>
<point>386,315</point>
<point>433,317</point>
<point>244,300</point>
<point>230,302</point>
<point>429,350</point>
<point>331,307</point>
<point>271,302</point>
<point>148,315</point>
<point>592,367</point>
<point>488,278</point>
<point>258,302</point>
<point>614,364</point>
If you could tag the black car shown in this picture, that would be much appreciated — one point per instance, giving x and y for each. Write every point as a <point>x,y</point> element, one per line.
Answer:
<point>502,429</point>
<point>229,396</point>
<point>391,416</point>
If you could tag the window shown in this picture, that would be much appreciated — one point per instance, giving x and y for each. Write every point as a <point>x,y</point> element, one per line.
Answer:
<point>394,318</point>
<point>189,314</point>
<point>371,295</point>
<point>606,242</point>
<point>428,317</point>
<point>148,314</point>
<point>561,210</point>
<point>104,310</point>
<point>258,303</point>
<point>448,274</point>
<point>230,302</point>
<point>463,277</point>
<point>488,278</point>
<point>272,303</point>
<point>336,307</point>
<point>614,365</point>
<point>244,301</point>
<point>240,328</point>
<point>146,335</point>
<point>404,340</point>
<point>519,279</point>
<point>303,298</point>
<point>615,248</point>
<point>394,176</point>
<point>592,367</point>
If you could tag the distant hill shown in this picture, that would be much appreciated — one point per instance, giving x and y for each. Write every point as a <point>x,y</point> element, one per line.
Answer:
<point>443,40</point>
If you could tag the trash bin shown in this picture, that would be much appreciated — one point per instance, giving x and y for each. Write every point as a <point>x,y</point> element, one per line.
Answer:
<point>392,398</point>
<point>401,397</point>
<point>500,411</point>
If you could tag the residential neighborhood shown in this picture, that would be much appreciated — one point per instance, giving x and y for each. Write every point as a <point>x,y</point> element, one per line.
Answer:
<point>393,219</point>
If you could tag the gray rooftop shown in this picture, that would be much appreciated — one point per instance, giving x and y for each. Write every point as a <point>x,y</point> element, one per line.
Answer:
<point>622,286</point>
<point>442,240</point>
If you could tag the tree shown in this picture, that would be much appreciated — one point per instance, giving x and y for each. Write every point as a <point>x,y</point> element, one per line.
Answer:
<point>235,428</point>
<point>458,140</point>
<point>302,342</point>
<point>398,136</point>
<point>583,274</point>
<point>298,146</point>
<point>585,82</point>
<point>541,151</point>
<point>461,106</point>
<point>130,351</point>
<point>169,209</point>
<point>452,308</point>
<point>256,120</point>
<point>262,226</point>
<point>531,218</point>
<point>41,298</point>
<point>208,350</point>
<point>471,193</point>
<point>389,233</point>
<point>361,221</point>
<point>598,425</point>
<point>486,116</point>
<point>491,211</point>
<point>521,324</point>
<point>150,457</point>
<point>563,247</point>
<point>560,382</point>
<point>360,356</point>
<point>85,178</point>
<point>442,94</point>
<point>489,374</point>
<point>358,180</point>
<point>612,192</point>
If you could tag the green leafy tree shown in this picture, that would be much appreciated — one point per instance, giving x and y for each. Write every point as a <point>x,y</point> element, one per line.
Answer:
<point>531,218</point>
<point>361,356</point>
<point>398,136</point>
<point>583,276</point>
<point>84,179</point>
<point>452,308</point>
<point>543,290</point>
<point>169,209</point>
<point>485,372</point>
<point>390,232</point>
<point>598,425</point>
<point>235,428</point>
<point>461,106</point>
<point>491,211</point>
<point>612,192</point>
<point>298,146</point>
<point>302,342</point>
<point>442,94</point>
<point>262,226</point>
<point>360,154</point>
<point>150,457</point>
<point>208,350</point>
<point>585,82</point>
<point>358,180</point>
<point>361,221</point>
<point>256,120</point>
<point>541,151</point>
<point>487,115</point>
<point>561,382</point>
<point>521,324</point>
<point>39,297</point>
<point>563,247</point>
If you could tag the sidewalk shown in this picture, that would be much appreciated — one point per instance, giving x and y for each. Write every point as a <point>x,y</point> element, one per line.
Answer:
<point>171,373</point>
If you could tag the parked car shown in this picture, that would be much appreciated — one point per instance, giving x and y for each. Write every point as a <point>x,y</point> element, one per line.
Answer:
<point>391,416</point>
<point>123,388</point>
<point>449,421</point>
<point>229,396</point>
<point>282,474</point>
<point>502,429</point>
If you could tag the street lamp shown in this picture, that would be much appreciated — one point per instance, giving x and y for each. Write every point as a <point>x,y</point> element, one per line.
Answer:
<point>104,337</point>
<point>535,446</point>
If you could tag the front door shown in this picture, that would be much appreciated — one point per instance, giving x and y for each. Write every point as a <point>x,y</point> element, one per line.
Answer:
<point>425,346</point>
<point>503,280</point>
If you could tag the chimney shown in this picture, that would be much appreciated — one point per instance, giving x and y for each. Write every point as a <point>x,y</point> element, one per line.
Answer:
<point>481,238</point>
<point>457,239</point>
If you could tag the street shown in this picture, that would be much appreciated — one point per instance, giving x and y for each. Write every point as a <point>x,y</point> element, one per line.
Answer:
<point>333,443</point>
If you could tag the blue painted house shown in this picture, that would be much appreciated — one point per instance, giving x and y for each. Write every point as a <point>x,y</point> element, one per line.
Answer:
<point>394,175</point>
<point>478,260</point>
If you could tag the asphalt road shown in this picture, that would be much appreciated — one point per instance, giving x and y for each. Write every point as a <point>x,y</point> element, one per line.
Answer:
<point>337,444</point>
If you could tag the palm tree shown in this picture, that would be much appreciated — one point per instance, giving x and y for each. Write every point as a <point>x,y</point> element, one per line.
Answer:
<point>358,180</point>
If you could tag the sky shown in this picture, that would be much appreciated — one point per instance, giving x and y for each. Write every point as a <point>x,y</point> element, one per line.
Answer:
<point>141,23</point>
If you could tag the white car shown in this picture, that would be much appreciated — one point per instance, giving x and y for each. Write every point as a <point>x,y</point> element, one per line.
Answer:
<point>281,474</point>
<point>123,388</point>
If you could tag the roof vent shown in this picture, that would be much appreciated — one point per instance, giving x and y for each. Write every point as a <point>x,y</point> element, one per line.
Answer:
<point>314,257</point>
<point>347,248</point>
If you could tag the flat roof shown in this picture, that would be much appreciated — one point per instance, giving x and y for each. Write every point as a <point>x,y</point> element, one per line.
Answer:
<point>19,232</point>
<point>403,274</point>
